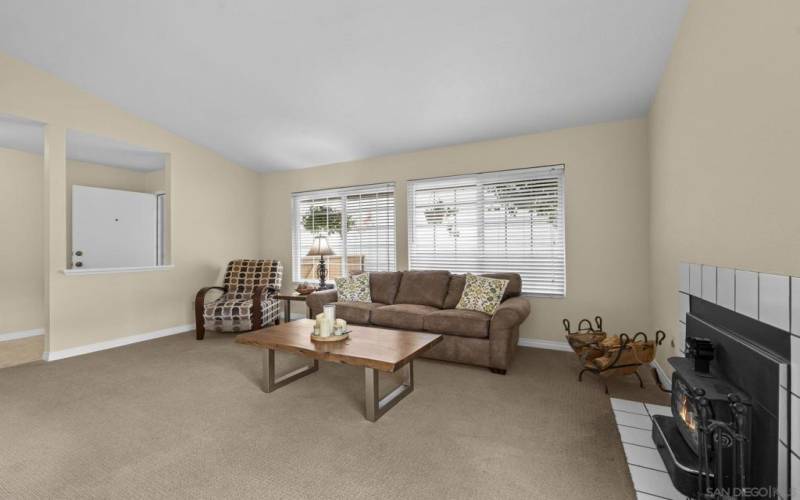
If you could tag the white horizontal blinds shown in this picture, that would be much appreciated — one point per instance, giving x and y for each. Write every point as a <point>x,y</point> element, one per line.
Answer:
<point>507,221</point>
<point>370,231</point>
<point>359,224</point>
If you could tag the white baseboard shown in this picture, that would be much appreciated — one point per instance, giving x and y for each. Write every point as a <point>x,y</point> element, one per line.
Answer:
<point>666,382</point>
<point>21,334</point>
<point>111,344</point>
<point>555,345</point>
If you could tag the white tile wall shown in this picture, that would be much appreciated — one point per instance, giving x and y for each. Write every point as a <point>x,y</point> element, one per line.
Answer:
<point>795,368</point>
<point>783,425</point>
<point>783,469</point>
<point>795,445</point>
<point>773,300</point>
<point>747,293</point>
<point>695,279</point>
<point>709,280</point>
<point>683,307</point>
<point>726,292</point>
<point>683,272</point>
<point>796,306</point>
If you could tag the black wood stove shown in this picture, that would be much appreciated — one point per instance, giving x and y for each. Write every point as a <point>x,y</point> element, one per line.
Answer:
<point>722,438</point>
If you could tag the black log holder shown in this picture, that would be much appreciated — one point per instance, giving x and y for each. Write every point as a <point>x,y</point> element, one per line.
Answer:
<point>601,358</point>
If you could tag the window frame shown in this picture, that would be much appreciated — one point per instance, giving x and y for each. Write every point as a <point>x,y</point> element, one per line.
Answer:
<point>480,179</point>
<point>342,193</point>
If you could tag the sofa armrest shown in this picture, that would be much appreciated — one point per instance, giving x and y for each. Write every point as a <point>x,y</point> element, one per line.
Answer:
<point>316,300</point>
<point>510,313</point>
<point>504,331</point>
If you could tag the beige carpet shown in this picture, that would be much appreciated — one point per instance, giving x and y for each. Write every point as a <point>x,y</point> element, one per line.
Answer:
<point>177,418</point>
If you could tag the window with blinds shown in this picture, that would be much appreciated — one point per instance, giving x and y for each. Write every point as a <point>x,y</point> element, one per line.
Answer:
<point>510,221</point>
<point>359,223</point>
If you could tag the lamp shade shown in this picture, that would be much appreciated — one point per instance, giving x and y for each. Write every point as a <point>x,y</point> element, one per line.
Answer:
<point>320,247</point>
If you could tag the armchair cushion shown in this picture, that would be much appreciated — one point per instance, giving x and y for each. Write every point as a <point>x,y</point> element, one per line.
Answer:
<point>230,314</point>
<point>243,275</point>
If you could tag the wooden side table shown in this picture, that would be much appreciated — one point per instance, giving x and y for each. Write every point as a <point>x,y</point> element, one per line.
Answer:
<point>287,299</point>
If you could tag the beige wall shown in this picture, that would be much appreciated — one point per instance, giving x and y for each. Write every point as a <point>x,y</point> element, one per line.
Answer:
<point>725,146</point>
<point>21,270</point>
<point>214,206</point>
<point>606,220</point>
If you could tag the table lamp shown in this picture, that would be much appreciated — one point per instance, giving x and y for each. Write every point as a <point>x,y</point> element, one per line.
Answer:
<point>320,247</point>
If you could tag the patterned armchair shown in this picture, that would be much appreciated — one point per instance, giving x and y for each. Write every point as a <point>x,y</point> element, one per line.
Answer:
<point>247,301</point>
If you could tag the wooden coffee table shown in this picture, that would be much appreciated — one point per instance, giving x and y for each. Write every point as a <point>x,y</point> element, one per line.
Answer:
<point>376,349</point>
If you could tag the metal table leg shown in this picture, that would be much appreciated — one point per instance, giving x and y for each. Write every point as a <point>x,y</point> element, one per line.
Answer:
<point>375,407</point>
<point>270,382</point>
<point>287,311</point>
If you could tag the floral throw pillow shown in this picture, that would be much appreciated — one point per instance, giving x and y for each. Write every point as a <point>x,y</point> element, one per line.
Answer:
<point>353,289</point>
<point>482,294</point>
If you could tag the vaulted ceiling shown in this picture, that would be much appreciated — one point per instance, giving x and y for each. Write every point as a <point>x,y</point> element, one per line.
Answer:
<point>290,84</point>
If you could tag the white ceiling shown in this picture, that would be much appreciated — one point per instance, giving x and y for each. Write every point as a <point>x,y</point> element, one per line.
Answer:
<point>290,84</point>
<point>28,135</point>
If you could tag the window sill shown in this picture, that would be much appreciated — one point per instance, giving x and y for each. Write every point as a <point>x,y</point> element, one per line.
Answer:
<point>117,270</point>
<point>530,295</point>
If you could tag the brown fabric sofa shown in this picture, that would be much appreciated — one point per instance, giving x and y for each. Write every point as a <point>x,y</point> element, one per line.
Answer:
<point>426,301</point>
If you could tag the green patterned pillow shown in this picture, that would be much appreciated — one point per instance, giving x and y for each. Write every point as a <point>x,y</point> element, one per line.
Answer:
<point>482,294</point>
<point>353,289</point>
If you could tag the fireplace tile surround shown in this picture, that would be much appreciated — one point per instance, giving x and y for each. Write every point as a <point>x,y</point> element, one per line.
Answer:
<point>771,299</point>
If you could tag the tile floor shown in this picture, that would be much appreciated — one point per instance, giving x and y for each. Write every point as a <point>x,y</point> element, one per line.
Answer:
<point>647,469</point>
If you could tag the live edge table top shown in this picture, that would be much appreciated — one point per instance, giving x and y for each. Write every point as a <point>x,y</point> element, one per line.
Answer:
<point>372,347</point>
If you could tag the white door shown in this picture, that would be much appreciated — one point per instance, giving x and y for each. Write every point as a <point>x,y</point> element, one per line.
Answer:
<point>113,228</point>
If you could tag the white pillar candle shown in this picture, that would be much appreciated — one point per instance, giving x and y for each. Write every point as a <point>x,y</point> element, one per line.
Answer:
<point>341,326</point>
<point>330,313</point>
<point>325,327</point>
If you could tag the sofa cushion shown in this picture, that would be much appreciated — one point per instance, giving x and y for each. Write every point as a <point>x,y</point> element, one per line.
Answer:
<point>383,286</point>
<point>354,288</point>
<point>356,312</point>
<point>454,290</point>
<point>401,316</point>
<point>427,288</point>
<point>459,322</point>
<point>482,294</point>
<point>457,282</point>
